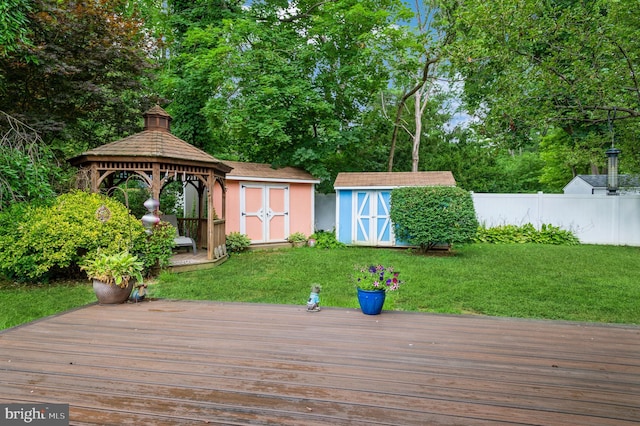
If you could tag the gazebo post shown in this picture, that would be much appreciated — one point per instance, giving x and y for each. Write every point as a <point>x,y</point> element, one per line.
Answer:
<point>156,183</point>
<point>211,243</point>
<point>95,185</point>
<point>202,236</point>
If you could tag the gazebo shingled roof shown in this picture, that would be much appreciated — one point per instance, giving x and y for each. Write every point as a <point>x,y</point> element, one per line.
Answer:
<point>155,141</point>
<point>158,157</point>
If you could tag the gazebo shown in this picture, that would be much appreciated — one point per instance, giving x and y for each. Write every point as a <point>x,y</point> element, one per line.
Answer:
<point>158,158</point>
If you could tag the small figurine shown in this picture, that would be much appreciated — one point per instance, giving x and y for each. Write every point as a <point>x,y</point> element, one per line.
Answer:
<point>313,304</point>
<point>139,293</point>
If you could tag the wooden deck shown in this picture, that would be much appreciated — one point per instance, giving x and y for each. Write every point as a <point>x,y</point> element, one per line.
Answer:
<point>187,261</point>
<point>167,362</point>
<point>184,261</point>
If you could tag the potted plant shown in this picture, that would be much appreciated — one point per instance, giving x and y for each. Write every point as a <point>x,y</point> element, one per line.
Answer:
<point>113,275</point>
<point>297,239</point>
<point>373,282</point>
<point>237,242</point>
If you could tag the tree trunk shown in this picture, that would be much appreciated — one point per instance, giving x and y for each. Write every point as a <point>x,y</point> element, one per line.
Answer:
<point>415,153</point>
<point>401,104</point>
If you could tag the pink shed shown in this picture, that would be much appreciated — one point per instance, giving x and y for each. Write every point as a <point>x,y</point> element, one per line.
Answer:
<point>269,204</point>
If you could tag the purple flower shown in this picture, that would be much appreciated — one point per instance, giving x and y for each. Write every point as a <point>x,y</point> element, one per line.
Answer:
<point>377,277</point>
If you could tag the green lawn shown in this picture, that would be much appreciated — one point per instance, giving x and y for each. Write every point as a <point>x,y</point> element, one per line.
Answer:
<point>21,303</point>
<point>580,283</point>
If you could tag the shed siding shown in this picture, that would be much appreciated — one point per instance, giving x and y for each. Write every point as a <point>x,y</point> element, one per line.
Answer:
<point>233,206</point>
<point>345,216</point>
<point>302,208</point>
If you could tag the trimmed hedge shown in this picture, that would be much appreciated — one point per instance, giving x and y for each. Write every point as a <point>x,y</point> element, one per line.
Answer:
<point>432,215</point>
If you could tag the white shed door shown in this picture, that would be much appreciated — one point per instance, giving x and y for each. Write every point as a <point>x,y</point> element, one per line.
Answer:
<point>372,223</point>
<point>264,212</point>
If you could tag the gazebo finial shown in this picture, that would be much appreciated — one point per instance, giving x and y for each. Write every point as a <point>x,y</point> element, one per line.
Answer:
<point>157,119</point>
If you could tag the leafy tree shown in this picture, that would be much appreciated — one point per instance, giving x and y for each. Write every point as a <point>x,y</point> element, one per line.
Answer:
<point>186,83</point>
<point>285,85</point>
<point>473,162</point>
<point>480,165</point>
<point>568,64</point>
<point>571,61</point>
<point>29,171</point>
<point>81,77</point>
<point>565,157</point>
<point>14,31</point>
<point>415,148</point>
<point>185,15</point>
<point>414,60</point>
<point>521,172</point>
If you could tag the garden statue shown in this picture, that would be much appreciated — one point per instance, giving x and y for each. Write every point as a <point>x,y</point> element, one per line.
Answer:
<point>139,293</point>
<point>313,304</point>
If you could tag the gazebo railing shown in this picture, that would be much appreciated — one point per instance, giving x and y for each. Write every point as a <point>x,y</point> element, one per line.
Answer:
<point>219,236</point>
<point>197,229</point>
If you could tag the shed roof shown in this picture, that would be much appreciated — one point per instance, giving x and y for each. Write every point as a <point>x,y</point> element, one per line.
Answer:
<point>264,172</point>
<point>393,179</point>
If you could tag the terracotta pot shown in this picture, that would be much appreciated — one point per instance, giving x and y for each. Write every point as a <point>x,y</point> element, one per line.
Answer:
<point>111,294</point>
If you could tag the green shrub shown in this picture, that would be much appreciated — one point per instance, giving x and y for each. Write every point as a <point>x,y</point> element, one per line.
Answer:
<point>431,215</point>
<point>37,242</point>
<point>157,249</point>
<point>237,242</point>
<point>297,237</point>
<point>550,234</point>
<point>326,239</point>
<point>512,234</point>
<point>505,234</point>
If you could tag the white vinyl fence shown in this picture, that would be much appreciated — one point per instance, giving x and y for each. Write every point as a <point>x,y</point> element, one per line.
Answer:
<point>594,219</point>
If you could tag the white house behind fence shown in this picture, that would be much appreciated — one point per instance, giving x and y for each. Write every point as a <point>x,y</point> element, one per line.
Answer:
<point>597,185</point>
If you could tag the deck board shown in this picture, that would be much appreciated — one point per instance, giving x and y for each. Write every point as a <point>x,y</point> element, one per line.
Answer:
<point>173,362</point>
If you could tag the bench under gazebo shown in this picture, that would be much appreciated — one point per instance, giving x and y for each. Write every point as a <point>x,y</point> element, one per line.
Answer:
<point>157,158</point>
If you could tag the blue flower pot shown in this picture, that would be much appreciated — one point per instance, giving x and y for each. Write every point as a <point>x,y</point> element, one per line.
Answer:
<point>371,301</point>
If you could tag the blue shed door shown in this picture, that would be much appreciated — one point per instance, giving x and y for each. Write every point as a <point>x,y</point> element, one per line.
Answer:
<point>372,224</point>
